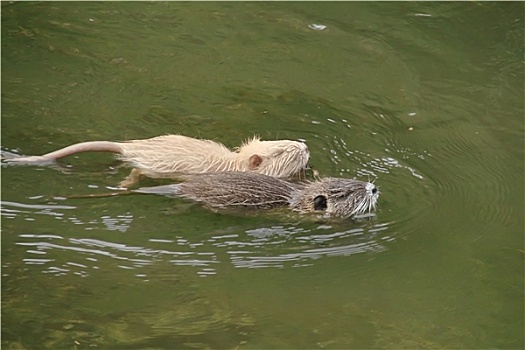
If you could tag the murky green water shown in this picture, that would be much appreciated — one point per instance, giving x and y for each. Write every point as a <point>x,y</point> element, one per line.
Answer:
<point>440,266</point>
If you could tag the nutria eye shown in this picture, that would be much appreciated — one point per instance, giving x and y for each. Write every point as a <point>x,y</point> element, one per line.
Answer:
<point>320,203</point>
<point>374,190</point>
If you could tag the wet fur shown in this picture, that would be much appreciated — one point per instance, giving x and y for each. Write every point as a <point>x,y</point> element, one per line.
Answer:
<point>334,196</point>
<point>176,154</point>
<point>173,155</point>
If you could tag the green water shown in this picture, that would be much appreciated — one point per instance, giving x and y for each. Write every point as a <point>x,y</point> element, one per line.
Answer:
<point>441,265</point>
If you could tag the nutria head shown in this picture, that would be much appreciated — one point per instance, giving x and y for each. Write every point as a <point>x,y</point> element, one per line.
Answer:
<point>336,196</point>
<point>282,158</point>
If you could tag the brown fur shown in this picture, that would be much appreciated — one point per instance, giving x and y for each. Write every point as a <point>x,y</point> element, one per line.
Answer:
<point>333,196</point>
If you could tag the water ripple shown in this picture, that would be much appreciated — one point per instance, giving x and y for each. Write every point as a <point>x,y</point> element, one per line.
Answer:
<point>31,212</point>
<point>274,246</point>
<point>135,257</point>
<point>301,253</point>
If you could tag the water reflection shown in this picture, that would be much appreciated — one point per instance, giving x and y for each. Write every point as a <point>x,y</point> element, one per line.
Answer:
<point>300,253</point>
<point>276,246</point>
<point>8,210</point>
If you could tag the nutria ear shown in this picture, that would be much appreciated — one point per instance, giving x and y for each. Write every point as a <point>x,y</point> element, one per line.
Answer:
<point>320,203</point>
<point>254,161</point>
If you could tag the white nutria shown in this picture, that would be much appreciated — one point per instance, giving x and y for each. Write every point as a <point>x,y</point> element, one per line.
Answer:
<point>333,196</point>
<point>173,155</point>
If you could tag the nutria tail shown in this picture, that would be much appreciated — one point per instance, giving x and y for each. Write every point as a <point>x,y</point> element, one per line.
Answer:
<point>163,190</point>
<point>90,146</point>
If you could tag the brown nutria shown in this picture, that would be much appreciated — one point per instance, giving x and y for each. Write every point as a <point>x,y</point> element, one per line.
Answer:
<point>333,196</point>
<point>172,155</point>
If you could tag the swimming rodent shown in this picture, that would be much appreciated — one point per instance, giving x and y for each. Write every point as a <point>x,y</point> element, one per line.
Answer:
<point>173,155</point>
<point>333,196</point>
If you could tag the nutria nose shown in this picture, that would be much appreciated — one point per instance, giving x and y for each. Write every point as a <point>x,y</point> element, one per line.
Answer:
<point>374,190</point>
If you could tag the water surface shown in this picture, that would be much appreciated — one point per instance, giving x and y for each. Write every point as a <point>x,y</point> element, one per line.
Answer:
<point>424,98</point>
